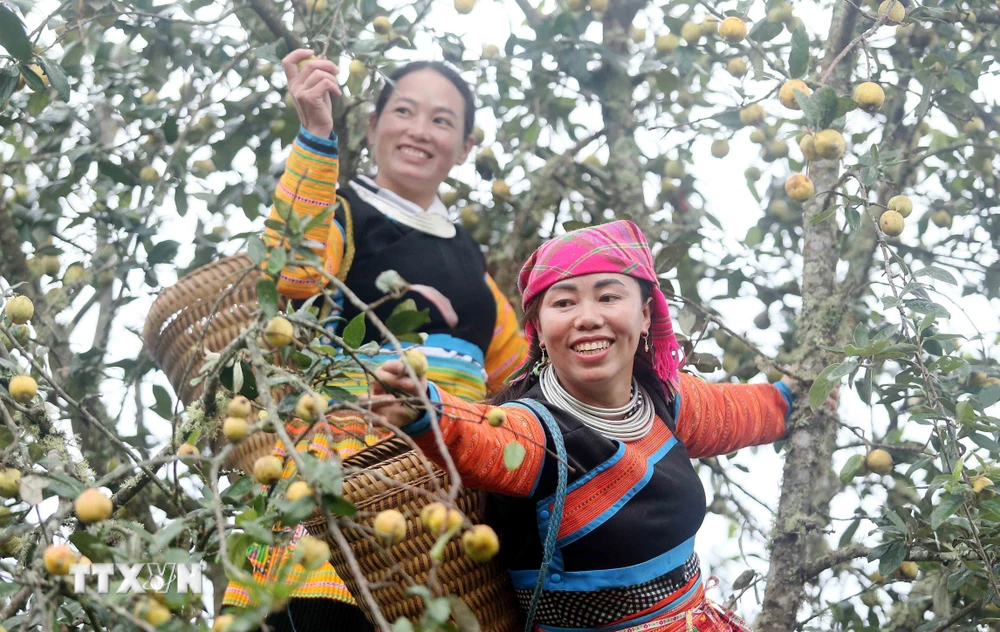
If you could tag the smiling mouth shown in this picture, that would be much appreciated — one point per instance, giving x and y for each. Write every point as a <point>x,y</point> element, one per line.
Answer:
<point>592,348</point>
<point>416,153</point>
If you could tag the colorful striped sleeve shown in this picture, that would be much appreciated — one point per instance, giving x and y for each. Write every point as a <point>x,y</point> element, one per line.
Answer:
<point>716,419</point>
<point>477,447</point>
<point>508,348</point>
<point>309,186</point>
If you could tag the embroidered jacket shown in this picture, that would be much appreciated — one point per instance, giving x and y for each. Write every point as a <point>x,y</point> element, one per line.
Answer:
<point>625,549</point>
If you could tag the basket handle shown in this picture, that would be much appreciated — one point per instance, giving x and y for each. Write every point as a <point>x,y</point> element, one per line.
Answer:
<point>549,546</point>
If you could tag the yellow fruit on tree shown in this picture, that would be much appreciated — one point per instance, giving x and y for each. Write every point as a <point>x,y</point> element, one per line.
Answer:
<point>830,144</point>
<point>310,407</point>
<point>709,26</point>
<point>908,571</point>
<point>315,5</point>
<point>436,518</point>
<point>417,361</point>
<point>690,32</point>
<point>305,62</point>
<point>879,461</point>
<point>576,5</point>
<point>23,388</point>
<point>869,96</point>
<point>58,558</point>
<point>637,34</point>
<point>267,470</point>
<point>278,332</point>
<point>787,93</point>
<point>149,174</point>
<point>779,208</point>
<point>491,51</point>
<point>901,204</point>
<point>448,198</point>
<point>464,6</point>
<point>152,611</point>
<point>314,552</point>
<point>799,187</point>
<point>222,623</point>
<point>980,483</point>
<point>599,6</point>
<point>496,417</point>
<point>752,173</point>
<point>674,169</point>
<point>469,217</point>
<point>891,223</point>
<point>720,148</point>
<point>480,543</point>
<point>500,189</point>
<point>299,489</point>
<point>10,482</point>
<point>807,144</point>
<point>239,406</point>
<point>150,97</point>
<point>895,9</point>
<point>74,274</point>
<point>235,428</point>
<point>758,136</point>
<point>19,310</point>
<point>478,134</point>
<point>187,449</point>
<point>733,30</point>
<point>277,126</point>
<point>666,43</point>
<point>390,526</point>
<point>974,125</point>
<point>941,218</point>
<point>382,25</point>
<point>737,66</point>
<point>752,114</point>
<point>92,506</point>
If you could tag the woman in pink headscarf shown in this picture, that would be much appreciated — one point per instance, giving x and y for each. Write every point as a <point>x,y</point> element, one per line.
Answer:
<point>601,538</point>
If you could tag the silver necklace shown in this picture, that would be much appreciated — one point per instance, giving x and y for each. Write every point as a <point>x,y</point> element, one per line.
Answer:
<point>638,412</point>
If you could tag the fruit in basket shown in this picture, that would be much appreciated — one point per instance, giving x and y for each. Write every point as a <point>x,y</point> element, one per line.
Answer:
<point>436,518</point>
<point>278,332</point>
<point>267,470</point>
<point>239,406</point>
<point>315,552</point>
<point>390,526</point>
<point>418,361</point>
<point>235,428</point>
<point>481,543</point>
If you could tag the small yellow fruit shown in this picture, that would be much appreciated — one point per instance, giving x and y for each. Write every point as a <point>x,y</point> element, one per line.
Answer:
<point>599,6</point>
<point>879,461</point>
<point>23,388</point>
<point>315,552</point>
<point>239,406</point>
<point>235,428</point>
<point>674,169</point>
<point>941,219</point>
<point>152,611</point>
<point>417,361</point>
<point>390,526</point>
<point>978,379</point>
<point>278,332</point>
<point>891,223</point>
<point>808,146</point>
<point>787,93</point>
<point>480,543</point>
<point>737,67</point>
<point>500,189</point>
<point>19,310</point>
<point>267,470</point>
<point>901,204</point>
<point>436,518</point>
<point>490,51</point>
<point>449,198</point>
<point>799,187</point>
<point>496,417</point>
<point>277,126</point>
<point>720,148</point>
<point>758,136</point>
<point>576,5</point>
<point>895,9</point>
<point>980,483</point>
<point>10,482</point>
<point>310,407</point>
<point>478,134</point>
<point>869,96</point>
<point>637,34</point>
<point>150,97</point>
<point>710,26</point>
<point>666,43</point>
<point>357,68</point>
<point>464,6</point>
<point>469,217</point>
<point>51,265</point>
<point>974,125</point>
<point>74,274</point>
<point>315,5</point>
<point>222,623</point>
<point>302,65</point>
<point>752,114</point>
<point>299,489</point>
<point>92,506</point>
<point>187,449</point>
<point>382,25</point>
<point>908,571</point>
<point>667,186</point>
<point>149,174</point>
<point>779,208</point>
<point>733,30</point>
<point>6,515</point>
<point>58,558</point>
<point>752,173</point>
<point>690,32</point>
<point>830,144</point>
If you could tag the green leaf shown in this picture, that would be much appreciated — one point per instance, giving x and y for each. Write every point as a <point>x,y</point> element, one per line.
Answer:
<point>438,610</point>
<point>936,273</point>
<point>798,58</point>
<point>851,468</point>
<point>63,485</point>
<point>354,333</point>
<point>989,396</point>
<point>163,252</point>
<point>513,455</point>
<point>402,624</point>
<point>267,296</point>
<point>825,214</point>
<point>809,106</point>
<point>670,256</point>
<point>276,261</point>
<point>256,249</point>
<point>12,35</point>
<point>465,619</point>
<point>8,82</point>
<point>339,505</point>
<point>164,406</point>
<point>239,489</point>
<point>407,322</point>
<point>965,413</point>
<point>948,505</point>
<point>890,560</point>
<point>57,78</point>
<point>848,535</point>
<point>826,99</point>
<point>827,380</point>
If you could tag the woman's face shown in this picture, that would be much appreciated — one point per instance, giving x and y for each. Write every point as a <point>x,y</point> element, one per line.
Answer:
<point>419,136</point>
<point>590,326</point>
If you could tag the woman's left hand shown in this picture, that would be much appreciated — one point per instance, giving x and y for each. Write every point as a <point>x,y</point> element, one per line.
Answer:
<point>832,401</point>
<point>391,378</point>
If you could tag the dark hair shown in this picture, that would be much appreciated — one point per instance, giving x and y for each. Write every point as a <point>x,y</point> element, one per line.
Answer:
<point>643,369</point>
<point>442,69</point>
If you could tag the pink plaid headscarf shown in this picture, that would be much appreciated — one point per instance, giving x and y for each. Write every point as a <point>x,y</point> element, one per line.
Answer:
<point>617,247</point>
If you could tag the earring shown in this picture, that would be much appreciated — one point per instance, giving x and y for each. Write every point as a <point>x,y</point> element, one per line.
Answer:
<point>543,361</point>
<point>646,340</point>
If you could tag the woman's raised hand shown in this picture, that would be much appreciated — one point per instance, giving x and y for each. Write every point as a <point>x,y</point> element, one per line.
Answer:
<point>313,86</point>
<point>392,376</point>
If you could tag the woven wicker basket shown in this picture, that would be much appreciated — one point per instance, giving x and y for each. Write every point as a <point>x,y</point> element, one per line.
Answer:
<point>185,321</point>
<point>389,472</point>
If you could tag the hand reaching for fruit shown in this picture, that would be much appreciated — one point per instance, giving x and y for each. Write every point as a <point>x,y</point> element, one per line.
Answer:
<point>312,83</point>
<point>392,377</point>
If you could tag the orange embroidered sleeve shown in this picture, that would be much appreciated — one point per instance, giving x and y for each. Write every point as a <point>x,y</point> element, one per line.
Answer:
<point>508,347</point>
<point>718,419</point>
<point>477,447</point>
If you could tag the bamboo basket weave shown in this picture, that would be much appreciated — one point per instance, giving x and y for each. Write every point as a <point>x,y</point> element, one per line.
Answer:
<point>185,312</point>
<point>386,478</point>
